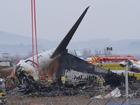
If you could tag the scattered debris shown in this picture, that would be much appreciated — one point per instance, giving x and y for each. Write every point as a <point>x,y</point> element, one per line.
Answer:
<point>115,94</point>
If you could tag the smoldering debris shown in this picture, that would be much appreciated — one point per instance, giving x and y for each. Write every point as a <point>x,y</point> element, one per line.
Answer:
<point>84,87</point>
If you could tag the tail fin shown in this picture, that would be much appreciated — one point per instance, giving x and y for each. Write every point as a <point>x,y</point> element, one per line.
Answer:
<point>64,43</point>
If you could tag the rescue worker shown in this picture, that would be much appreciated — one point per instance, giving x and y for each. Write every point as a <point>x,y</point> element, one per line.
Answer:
<point>63,79</point>
<point>100,81</point>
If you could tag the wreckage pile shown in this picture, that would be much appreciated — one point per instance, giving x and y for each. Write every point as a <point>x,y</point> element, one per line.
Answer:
<point>88,87</point>
<point>82,89</point>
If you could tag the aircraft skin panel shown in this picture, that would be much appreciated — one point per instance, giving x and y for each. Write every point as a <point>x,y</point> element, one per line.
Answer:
<point>71,62</point>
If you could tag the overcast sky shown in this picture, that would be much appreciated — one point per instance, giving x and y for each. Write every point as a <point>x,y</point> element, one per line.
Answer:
<point>113,19</point>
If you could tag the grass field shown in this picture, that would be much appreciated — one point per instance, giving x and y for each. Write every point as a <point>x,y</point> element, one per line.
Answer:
<point>118,67</point>
<point>112,66</point>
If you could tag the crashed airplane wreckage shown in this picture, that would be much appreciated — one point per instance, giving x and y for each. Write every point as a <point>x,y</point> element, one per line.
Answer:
<point>54,63</point>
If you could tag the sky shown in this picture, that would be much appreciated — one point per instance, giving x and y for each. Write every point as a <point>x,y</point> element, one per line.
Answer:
<point>109,19</point>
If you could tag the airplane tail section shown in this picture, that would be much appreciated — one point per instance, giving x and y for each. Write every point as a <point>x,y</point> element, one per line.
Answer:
<point>64,43</point>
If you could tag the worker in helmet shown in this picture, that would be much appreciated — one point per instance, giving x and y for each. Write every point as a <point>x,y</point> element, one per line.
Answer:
<point>63,79</point>
<point>100,81</point>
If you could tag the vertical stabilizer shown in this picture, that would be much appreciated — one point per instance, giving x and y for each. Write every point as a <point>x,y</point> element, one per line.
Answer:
<point>64,43</point>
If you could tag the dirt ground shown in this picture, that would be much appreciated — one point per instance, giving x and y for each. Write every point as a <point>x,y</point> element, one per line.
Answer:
<point>66,100</point>
<point>70,100</point>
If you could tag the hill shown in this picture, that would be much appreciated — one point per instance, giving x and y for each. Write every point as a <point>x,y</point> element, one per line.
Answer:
<point>21,45</point>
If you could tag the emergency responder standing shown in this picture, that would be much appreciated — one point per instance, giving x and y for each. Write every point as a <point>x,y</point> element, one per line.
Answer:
<point>100,81</point>
<point>64,80</point>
